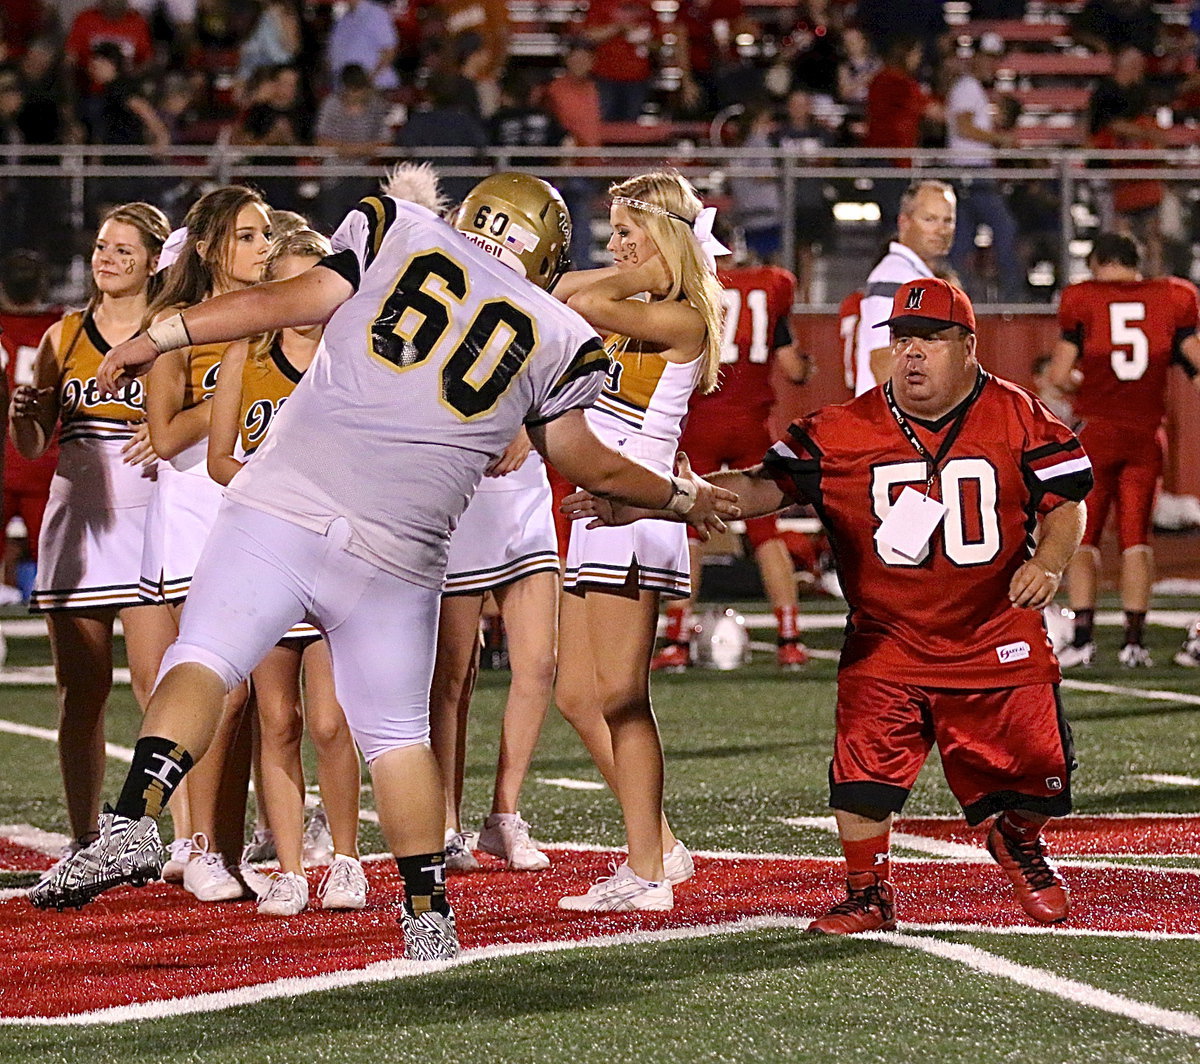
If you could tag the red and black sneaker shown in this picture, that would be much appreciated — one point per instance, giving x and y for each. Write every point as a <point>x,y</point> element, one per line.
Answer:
<point>674,657</point>
<point>791,654</point>
<point>1039,888</point>
<point>870,905</point>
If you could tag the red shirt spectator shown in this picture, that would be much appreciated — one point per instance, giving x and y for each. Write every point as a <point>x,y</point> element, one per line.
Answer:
<point>109,20</point>
<point>624,31</point>
<point>896,102</point>
<point>574,98</point>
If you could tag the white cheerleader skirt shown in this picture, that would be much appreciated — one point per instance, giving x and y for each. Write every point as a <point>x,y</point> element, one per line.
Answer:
<point>182,510</point>
<point>505,534</point>
<point>90,547</point>
<point>602,558</point>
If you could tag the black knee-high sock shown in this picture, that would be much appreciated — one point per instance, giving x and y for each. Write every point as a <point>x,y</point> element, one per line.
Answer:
<point>1084,619</point>
<point>424,878</point>
<point>1135,626</point>
<point>159,766</point>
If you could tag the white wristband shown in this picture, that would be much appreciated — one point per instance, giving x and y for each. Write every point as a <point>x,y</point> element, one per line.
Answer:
<point>683,497</point>
<point>170,334</point>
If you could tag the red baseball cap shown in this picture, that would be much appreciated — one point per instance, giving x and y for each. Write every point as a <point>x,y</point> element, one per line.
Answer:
<point>930,300</point>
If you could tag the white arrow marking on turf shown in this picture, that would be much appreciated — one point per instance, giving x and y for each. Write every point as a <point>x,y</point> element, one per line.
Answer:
<point>572,785</point>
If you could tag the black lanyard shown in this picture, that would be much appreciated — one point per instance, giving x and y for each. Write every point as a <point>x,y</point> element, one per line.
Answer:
<point>933,460</point>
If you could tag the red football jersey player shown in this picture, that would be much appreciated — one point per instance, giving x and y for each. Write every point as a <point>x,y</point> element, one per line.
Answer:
<point>1120,335</point>
<point>24,319</point>
<point>729,428</point>
<point>849,315</point>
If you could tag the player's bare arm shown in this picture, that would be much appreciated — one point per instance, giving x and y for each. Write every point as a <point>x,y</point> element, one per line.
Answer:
<point>1190,350</point>
<point>1035,583</point>
<point>1062,371</point>
<point>34,407</point>
<point>307,299</point>
<point>796,365</point>
<point>757,494</point>
<point>226,405</point>
<point>569,444</point>
<point>608,306</point>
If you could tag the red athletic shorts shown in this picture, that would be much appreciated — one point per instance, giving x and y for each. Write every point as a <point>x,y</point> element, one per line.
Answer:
<point>1126,464</point>
<point>1004,748</point>
<point>712,443</point>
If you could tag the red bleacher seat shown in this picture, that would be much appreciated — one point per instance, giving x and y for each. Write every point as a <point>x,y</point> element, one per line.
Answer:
<point>1014,30</point>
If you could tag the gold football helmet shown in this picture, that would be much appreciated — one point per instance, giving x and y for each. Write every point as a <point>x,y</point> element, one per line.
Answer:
<point>523,221</point>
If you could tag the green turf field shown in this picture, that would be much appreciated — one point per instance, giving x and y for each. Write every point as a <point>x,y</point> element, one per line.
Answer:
<point>746,751</point>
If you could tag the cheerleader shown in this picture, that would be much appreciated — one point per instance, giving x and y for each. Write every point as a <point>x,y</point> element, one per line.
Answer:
<point>663,346</point>
<point>251,389</point>
<point>90,545</point>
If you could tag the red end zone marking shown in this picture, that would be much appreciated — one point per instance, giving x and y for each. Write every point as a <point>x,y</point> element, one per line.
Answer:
<point>158,943</point>
<point>1081,835</point>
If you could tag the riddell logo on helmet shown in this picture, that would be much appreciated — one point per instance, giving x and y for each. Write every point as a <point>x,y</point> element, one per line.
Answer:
<point>915,295</point>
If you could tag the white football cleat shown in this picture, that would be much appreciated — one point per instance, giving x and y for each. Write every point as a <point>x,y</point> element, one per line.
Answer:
<point>1073,657</point>
<point>344,885</point>
<point>1134,656</point>
<point>506,835</point>
<point>622,892</point>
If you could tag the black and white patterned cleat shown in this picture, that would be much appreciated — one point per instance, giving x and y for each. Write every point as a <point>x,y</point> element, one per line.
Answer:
<point>126,851</point>
<point>429,937</point>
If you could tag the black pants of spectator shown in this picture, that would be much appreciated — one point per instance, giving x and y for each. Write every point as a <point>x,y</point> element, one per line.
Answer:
<point>622,101</point>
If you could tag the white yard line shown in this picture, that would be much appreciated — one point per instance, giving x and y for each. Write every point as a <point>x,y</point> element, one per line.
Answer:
<point>571,784</point>
<point>47,842</point>
<point>1170,781</point>
<point>1047,982</point>
<point>390,971</point>
<point>1134,692</point>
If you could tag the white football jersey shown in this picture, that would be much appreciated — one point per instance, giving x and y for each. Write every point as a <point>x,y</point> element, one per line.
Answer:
<point>424,376</point>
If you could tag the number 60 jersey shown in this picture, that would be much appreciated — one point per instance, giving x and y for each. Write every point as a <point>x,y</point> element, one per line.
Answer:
<point>425,374</point>
<point>944,618</point>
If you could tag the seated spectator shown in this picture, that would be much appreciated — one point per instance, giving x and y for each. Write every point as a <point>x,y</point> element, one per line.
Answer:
<point>276,116</point>
<point>1120,115</point>
<point>16,194</point>
<point>443,122</point>
<point>1110,25</point>
<point>365,34</point>
<point>118,113</point>
<point>275,39</point>
<point>44,116</point>
<point>352,121</point>
<point>21,22</point>
<point>626,33</point>
<point>813,52</point>
<point>479,31</point>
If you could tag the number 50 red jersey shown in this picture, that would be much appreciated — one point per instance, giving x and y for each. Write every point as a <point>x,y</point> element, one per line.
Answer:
<point>1128,334</point>
<point>944,618</point>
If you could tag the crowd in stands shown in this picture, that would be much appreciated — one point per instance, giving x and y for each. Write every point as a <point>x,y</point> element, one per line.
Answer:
<point>361,76</point>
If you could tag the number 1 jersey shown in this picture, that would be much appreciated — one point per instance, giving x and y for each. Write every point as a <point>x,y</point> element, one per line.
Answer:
<point>943,619</point>
<point>424,375</point>
<point>1128,334</point>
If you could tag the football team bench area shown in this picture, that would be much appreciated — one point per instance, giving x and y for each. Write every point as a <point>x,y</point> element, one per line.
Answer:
<point>151,974</point>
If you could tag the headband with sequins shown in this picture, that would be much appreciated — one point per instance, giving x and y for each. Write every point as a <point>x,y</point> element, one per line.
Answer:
<point>701,226</point>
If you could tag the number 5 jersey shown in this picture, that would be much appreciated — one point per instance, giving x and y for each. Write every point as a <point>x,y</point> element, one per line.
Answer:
<point>943,619</point>
<point>423,376</point>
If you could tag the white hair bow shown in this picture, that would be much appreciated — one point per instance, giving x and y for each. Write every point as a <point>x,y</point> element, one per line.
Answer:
<point>710,246</point>
<point>172,248</point>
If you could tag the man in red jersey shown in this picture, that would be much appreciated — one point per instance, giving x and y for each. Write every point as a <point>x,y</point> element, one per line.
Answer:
<point>729,428</point>
<point>1120,334</point>
<point>24,319</point>
<point>929,488</point>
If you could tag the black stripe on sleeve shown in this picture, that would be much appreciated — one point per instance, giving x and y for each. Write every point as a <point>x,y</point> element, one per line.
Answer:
<point>1177,355</point>
<point>590,358</point>
<point>345,264</point>
<point>380,212</point>
<point>1074,335</point>
<point>783,332</point>
<point>1071,446</point>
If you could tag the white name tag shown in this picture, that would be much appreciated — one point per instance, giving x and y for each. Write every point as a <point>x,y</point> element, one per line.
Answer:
<point>1013,652</point>
<point>910,523</point>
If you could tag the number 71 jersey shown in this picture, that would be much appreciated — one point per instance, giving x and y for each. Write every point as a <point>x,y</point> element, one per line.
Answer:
<point>1128,334</point>
<point>424,375</point>
<point>942,619</point>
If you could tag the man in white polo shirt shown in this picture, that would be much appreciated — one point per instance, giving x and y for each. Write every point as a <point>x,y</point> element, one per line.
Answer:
<point>972,142</point>
<point>925,231</point>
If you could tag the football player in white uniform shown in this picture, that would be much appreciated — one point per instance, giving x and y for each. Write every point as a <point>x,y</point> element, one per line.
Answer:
<point>435,353</point>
